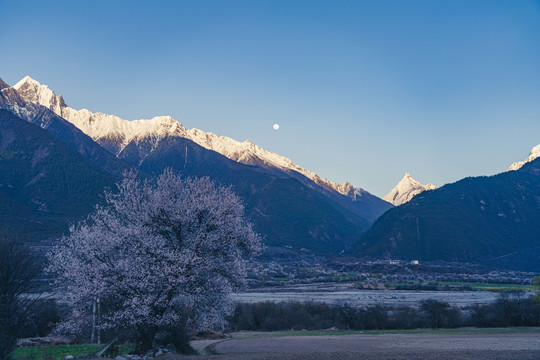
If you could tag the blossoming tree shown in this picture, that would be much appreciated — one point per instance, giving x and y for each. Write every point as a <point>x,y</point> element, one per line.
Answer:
<point>154,248</point>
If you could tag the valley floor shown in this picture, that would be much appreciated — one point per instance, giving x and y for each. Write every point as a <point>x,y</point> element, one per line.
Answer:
<point>400,346</point>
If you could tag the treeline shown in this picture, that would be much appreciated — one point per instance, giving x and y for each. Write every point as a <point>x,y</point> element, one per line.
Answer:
<point>510,309</point>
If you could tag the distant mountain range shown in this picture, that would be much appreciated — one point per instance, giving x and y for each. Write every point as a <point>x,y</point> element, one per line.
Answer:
<point>115,134</point>
<point>406,189</point>
<point>55,162</point>
<point>291,206</point>
<point>494,220</point>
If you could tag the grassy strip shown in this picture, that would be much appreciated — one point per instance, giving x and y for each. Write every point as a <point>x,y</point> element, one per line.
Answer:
<point>490,286</point>
<point>262,334</point>
<point>59,352</point>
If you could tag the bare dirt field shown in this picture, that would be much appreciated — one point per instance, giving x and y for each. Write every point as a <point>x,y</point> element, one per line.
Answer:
<point>380,346</point>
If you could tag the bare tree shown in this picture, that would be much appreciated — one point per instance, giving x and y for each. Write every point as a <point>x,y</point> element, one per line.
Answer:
<point>510,306</point>
<point>17,272</point>
<point>436,312</point>
<point>152,249</point>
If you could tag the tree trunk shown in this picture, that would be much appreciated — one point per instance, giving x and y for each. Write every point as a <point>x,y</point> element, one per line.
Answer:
<point>181,340</point>
<point>144,343</point>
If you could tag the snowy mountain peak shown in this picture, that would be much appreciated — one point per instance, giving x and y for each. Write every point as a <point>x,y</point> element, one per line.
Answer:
<point>406,189</point>
<point>33,91</point>
<point>535,153</point>
<point>346,189</point>
<point>407,178</point>
<point>26,80</point>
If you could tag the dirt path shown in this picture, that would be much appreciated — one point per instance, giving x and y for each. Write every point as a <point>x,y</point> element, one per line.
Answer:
<point>384,346</point>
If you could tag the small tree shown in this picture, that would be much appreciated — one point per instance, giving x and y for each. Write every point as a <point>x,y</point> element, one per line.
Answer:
<point>152,250</point>
<point>536,282</point>
<point>376,317</point>
<point>436,312</point>
<point>509,306</point>
<point>17,272</point>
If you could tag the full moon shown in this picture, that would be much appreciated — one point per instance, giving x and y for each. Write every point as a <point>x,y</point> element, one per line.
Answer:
<point>276,126</point>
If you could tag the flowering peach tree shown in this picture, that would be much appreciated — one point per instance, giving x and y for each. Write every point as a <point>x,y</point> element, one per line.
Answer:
<point>152,249</point>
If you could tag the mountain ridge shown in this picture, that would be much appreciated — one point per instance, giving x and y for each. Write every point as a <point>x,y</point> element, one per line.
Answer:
<point>104,127</point>
<point>287,207</point>
<point>494,220</point>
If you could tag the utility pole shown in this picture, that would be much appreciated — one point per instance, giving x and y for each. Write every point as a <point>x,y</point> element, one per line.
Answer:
<point>93,336</point>
<point>418,236</point>
<point>98,321</point>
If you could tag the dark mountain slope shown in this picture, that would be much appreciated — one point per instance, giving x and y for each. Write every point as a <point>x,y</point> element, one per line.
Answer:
<point>493,220</point>
<point>44,184</point>
<point>287,212</point>
<point>362,203</point>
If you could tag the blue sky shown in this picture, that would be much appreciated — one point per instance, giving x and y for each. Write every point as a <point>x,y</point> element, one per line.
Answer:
<point>363,90</point>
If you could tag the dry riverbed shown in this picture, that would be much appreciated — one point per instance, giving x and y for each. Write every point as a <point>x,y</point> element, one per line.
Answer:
<point>401,346</point>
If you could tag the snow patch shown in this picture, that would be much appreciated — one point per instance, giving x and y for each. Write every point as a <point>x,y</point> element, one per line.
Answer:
<point>535,153</point>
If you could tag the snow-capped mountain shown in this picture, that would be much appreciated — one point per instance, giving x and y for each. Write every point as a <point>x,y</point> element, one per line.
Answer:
<point>111,132</point>
<point>406,189</point>
<point>286,207</point>
<point>248,153</point>
<point>535,153</point>
<point>114,134</point>
<point>34,113</point>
